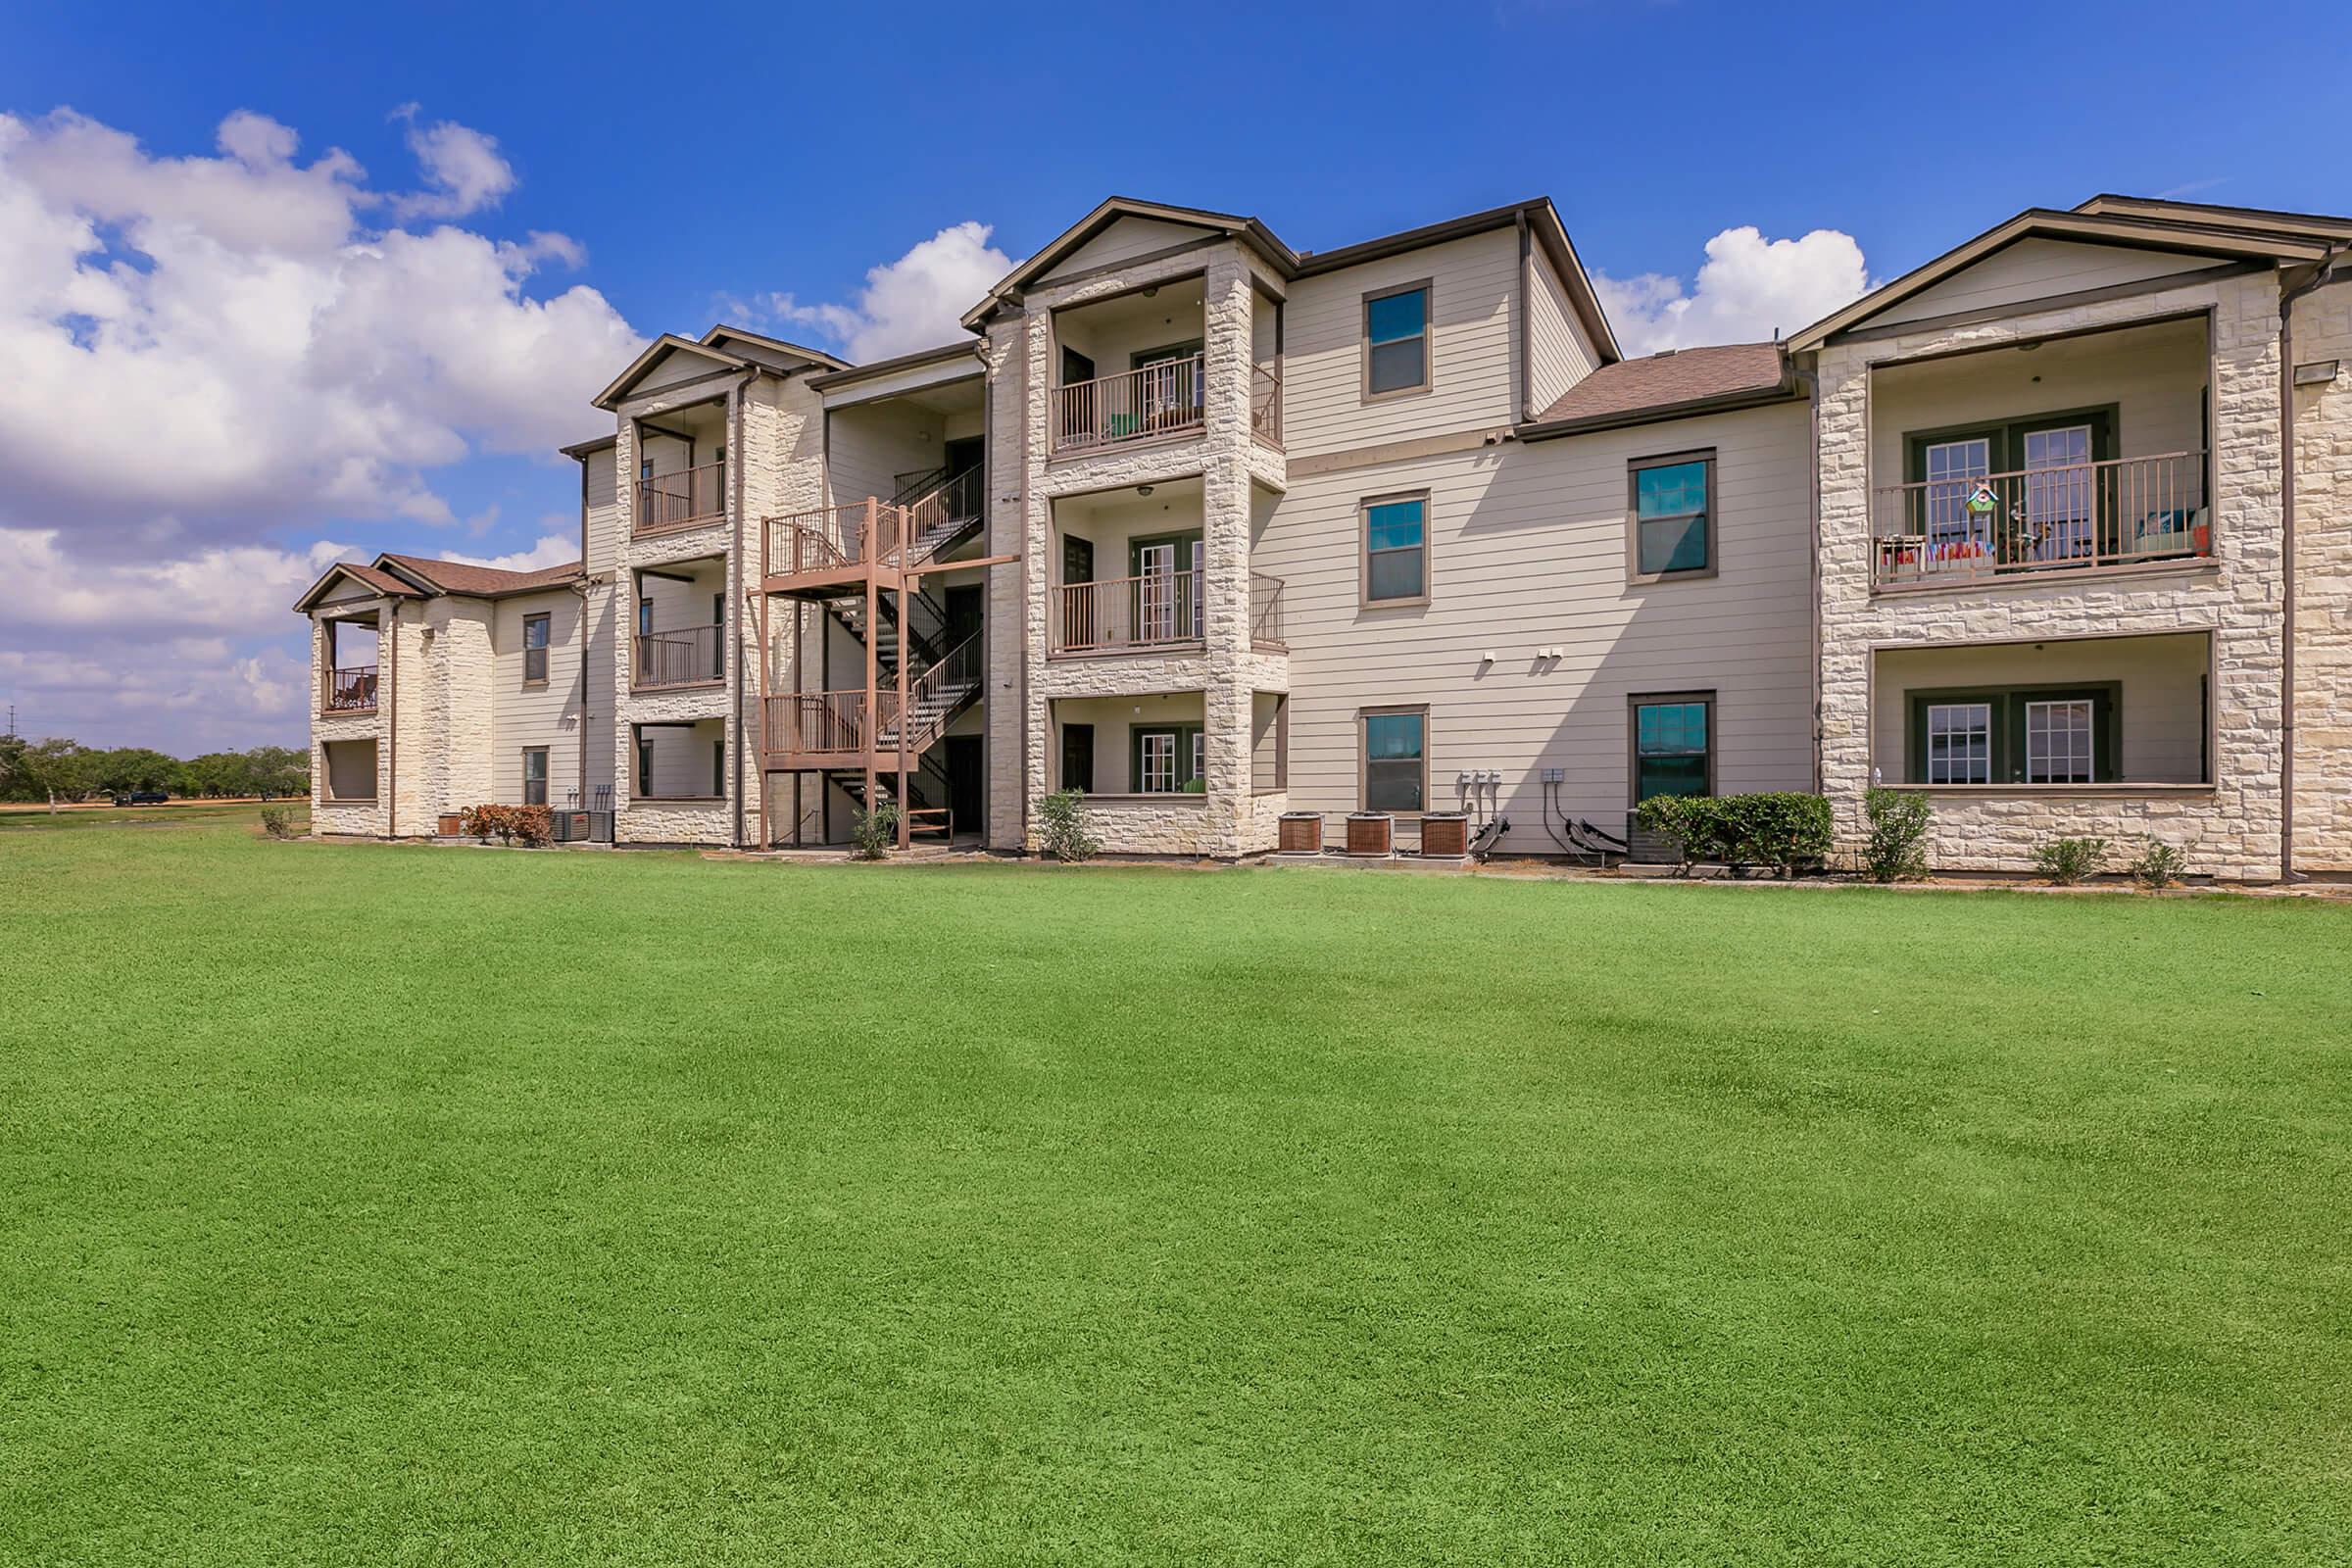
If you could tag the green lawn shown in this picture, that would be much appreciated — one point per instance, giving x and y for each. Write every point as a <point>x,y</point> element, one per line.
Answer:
<point>365,1204</point>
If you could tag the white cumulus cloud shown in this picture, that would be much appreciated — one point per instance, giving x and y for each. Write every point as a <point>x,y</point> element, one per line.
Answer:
<point>1747,288</point>
<point>917,302</point>
<point>207,352</point>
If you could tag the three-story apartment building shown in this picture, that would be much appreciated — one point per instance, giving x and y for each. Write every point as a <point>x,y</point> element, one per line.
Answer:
<point>2055,529</point>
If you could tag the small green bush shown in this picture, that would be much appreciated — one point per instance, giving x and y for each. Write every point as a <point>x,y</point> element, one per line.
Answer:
<point>277,822</point>
<point>1781,830</point>
<point>1894,831</point>
<point>2065,861</point>
<point>875,833</point>
<point>2159,866</point>
<point>1062,828</point>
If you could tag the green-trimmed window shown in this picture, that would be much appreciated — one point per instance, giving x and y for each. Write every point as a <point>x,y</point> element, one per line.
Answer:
<point>1674,745</point>
<point>1674,517</point>
<point>2027,735</point>
<point>1396,550</point>
<point>1165,758</point>
<point>1397,761</point>
<point>1396,341</point>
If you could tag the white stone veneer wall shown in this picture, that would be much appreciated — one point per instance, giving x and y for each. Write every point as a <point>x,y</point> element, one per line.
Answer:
<point>2230,831</point>
<point>2324,585</point>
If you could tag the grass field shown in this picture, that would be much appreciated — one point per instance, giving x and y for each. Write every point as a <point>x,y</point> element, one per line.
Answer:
<point>391,1205</point>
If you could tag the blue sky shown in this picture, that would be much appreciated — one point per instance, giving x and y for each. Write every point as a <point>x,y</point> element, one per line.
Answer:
<point>704,159</point>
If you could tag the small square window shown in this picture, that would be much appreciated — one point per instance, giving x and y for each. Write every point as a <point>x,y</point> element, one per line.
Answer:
<point>1673,517</point>
<point>1396,341</point>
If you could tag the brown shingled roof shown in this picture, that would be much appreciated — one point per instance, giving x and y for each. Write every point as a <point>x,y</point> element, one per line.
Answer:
<point>1669,380</point>
<point>481,582</point>
<point>384,582</point>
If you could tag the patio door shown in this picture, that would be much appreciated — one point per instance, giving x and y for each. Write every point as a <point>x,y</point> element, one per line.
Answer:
<point>1955,471</point>
<point>2061,500</point>
<point>1167,589</point>
<point>1169,386</point>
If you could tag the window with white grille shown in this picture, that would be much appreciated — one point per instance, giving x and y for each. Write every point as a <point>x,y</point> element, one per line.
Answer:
<point>1960,743</point>
<point>2058,740</point>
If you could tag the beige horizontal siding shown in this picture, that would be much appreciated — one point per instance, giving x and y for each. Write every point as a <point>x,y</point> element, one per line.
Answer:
<point>535,716</point>
<point>1527,553</point>
<point>1473,284</point>
<point>1559,353</point>
<point>1124,240</point>
<point>2036,268</point>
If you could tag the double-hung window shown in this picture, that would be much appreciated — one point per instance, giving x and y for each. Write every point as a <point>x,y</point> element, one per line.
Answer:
<point>534,775</point>
<point>1674,745</point>
<point>1395,564</point>
<point>1396,341</point>
<point>534,651</point>
<point>1673,516</point>
<point>1395,760</point>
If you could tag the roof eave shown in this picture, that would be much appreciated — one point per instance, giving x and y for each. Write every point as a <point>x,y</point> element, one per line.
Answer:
<point>1617,419</point>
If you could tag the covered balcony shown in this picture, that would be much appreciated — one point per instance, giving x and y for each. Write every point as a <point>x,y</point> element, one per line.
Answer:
<point>1144,748</point>
<point>1129,368</point>
<point>2093,715</point>
<point>348,680</point>
<point>681,479</point>
<point>684,759</point>
<point>2065,455</point>
<point>679,637</point>
<point>1129,571</point>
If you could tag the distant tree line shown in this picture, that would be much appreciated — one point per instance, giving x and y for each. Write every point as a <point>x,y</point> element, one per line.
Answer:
<point>63,770</point>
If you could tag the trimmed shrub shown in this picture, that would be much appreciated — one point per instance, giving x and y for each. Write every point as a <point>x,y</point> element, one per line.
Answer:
<point>2067,861</point>
<point>1894,827</point>
<point>875,833</point>
<point>1062,828</point>
<point>277,822</point>
<point>1781,830</point>
<point>528,825</point>
<point>2159,866</point>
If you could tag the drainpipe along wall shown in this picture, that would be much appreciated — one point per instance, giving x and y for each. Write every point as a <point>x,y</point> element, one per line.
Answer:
<point>2286,562</point>
<point>735,591</point>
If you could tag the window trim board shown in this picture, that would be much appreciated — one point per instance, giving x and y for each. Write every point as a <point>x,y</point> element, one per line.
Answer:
<point>1634,468</point>
<point>1635,702</point>
<point>1364,550</point>
<point>1426,289</point>
<point>1363,756</point>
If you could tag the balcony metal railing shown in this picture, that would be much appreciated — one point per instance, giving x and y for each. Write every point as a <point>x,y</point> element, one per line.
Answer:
<point>1164,398</point>
<point>352,690</point>
<point>833,537</point>
<point>685,657</point>
<point>1265,404</point>
<point>1979,528</point>
<point>1148,611</point>
<point>678,500</point>
<point>1265,611</point>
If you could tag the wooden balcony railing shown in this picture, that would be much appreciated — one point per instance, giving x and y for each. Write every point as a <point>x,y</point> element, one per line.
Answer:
<point>2034,521</point>
<point>1147,611</point>
<point>833,537</point>
<point>680,499</point>
<point>1265,611</point>
<point>816,721</point>
<point>685,657</point>
<point>352,690</point>
<point>1164,398</point>
<point>1265,404</point>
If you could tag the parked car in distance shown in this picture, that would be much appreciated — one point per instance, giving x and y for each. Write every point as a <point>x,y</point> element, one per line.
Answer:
<point>140,796</point>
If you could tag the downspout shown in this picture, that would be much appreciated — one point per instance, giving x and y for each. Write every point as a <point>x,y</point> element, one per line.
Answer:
<point>1810,380</point>
<point>734,627</point>
<point>989,618</point>
<point>1520,399</point>
<point>392,734</point>
<point>1021,689</point>
<point>2286,560</point>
